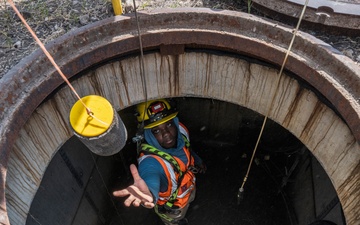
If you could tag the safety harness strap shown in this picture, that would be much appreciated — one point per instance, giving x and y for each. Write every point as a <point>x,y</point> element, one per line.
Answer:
<point>173,162</point>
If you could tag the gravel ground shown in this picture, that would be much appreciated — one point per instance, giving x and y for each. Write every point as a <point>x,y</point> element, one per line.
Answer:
<point>53,18</point>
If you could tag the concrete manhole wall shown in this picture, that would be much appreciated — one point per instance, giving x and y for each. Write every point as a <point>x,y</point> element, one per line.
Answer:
<point>28,146</point>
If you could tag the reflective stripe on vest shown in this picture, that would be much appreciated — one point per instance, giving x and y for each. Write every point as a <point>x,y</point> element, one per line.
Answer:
<point>169,172</point>
<point>184,131</point>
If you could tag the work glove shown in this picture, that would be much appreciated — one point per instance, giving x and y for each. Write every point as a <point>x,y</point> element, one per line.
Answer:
<point>201,168</point>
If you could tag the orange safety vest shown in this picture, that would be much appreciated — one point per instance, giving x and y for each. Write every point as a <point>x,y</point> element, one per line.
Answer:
<point>187,184</point>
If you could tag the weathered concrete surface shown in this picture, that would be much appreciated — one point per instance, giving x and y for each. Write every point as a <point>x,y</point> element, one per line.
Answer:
<point>338,17</point>
<point>333,138</point>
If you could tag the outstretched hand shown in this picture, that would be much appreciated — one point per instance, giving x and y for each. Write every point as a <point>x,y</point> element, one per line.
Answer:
<point>201,168</point>
<point>138,193</point>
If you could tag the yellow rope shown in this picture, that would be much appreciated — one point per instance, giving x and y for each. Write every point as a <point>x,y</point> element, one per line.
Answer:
<point>273,97</point>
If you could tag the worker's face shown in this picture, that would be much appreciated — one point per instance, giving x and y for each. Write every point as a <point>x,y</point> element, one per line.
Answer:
<point>166,134</point>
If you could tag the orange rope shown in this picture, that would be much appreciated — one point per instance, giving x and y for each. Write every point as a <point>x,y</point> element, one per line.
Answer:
<point>49,56</point>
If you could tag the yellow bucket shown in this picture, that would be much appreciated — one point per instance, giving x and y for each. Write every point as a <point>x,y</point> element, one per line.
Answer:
<point>103,131</point>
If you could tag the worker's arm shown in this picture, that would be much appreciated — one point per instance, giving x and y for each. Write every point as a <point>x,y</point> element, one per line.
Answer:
<point>138,193</point>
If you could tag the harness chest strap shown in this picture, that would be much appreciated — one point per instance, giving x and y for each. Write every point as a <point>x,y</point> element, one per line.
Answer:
<point>173,162</point>
<point>168,206</point>
<point>150,149</point>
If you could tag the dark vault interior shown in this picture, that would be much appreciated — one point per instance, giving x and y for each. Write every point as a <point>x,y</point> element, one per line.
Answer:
<point>286,184</point>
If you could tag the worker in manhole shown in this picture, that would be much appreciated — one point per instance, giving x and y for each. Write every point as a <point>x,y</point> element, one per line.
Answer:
<point>165,178</point>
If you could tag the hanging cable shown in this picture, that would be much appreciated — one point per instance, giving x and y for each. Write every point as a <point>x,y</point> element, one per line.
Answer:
<point>139,134</point>
<point>241,189</point>
<point>141,62</point>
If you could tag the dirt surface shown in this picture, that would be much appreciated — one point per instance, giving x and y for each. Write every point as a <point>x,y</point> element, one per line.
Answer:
<point>53,18</point>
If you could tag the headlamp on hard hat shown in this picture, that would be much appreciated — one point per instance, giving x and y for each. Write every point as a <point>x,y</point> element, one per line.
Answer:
<point>157,111</point>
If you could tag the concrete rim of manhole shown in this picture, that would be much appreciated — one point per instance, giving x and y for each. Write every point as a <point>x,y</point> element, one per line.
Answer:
<point>330,16</point>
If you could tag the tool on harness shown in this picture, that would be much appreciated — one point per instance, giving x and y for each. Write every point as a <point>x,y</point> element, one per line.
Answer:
<point>139,136</point>
<point>193,169</point>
